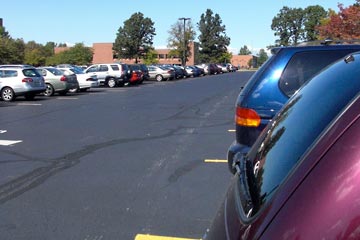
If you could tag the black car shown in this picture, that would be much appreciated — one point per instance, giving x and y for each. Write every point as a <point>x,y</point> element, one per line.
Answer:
<point>145,71</point>
<point>274,83</point>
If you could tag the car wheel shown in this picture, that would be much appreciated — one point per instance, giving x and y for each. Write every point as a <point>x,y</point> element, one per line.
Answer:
<point>159,78</point>
<point>111,83</point>
<point>74,90</point>
<point>7,94</point>
<point>49,90</point>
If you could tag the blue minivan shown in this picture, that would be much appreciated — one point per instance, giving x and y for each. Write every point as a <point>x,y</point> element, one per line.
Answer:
<point>274,83</point>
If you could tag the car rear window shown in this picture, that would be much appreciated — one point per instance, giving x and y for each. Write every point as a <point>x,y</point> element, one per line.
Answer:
<point>304,65</point>
<point>31,73</point>
<point>55,71</point>
<point>298,125</point>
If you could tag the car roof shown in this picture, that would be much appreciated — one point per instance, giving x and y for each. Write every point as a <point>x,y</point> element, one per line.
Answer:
<point>322,44</point>
<point>16,66</point>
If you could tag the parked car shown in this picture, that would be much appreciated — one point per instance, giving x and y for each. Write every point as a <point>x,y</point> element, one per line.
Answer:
<point>179,73</point>
<point>300,178</point>
<point>223,68</point>
<point>86,81</point>
<point>193,71</point>
<point>57,82</point>
<point>273,84</point>
<point>145,71</point>
<point>136,74</point>
<point>20,80</point>
<point>160,73</point>
<point>110,74</point>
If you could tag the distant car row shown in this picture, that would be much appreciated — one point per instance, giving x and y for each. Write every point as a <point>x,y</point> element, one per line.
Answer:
<point>28,81</point>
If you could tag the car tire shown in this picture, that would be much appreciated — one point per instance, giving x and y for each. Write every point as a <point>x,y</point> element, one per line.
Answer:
<point>111,83</point>
<point>74,90</point>
<point>159,78</point>
<point>49,90</point>
<point>7,94</point>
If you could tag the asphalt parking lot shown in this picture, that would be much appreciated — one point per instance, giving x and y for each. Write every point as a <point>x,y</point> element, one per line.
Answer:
<point>139,162</point>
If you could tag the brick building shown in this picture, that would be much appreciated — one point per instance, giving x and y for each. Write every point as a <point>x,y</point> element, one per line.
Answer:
<point>103,53</point>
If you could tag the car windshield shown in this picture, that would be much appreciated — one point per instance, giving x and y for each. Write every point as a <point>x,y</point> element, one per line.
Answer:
<point>280,149</point>
<point>77,71</point>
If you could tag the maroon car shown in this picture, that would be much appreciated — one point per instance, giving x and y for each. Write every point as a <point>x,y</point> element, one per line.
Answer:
<point>300,180</point>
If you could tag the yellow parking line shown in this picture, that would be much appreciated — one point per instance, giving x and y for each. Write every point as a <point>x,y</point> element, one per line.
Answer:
<point>153,237</point>
<point>215,161</point>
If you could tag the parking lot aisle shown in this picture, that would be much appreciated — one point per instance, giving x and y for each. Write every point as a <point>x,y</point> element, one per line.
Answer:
<point>153,237</point>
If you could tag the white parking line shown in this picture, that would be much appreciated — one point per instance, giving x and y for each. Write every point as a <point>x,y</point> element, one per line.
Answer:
<point>3,131</point>
<point>67,98</point>
<point>8,142</point>
<point>29,104</point>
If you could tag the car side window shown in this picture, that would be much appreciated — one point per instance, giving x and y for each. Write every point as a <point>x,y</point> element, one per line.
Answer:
<point>304,65</point>
<point>9,73</point>
<point>93,69</point>
<point>103,68</point>
<point>115,67</point>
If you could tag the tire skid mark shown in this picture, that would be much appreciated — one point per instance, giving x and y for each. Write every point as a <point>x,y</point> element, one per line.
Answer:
<point>36,177</point>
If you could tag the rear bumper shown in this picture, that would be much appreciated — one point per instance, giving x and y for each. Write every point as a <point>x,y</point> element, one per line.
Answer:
<point>234,149</point>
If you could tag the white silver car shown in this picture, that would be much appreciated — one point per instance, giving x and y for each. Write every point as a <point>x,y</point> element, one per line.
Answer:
<point>86,80</point>
<point>20,80</point>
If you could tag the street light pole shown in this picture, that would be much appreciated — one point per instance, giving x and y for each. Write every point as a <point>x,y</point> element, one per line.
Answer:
<point>185,47</point>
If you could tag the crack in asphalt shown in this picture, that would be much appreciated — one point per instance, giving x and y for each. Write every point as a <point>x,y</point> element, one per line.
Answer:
<point>30,180</point>
<point>34,178</point>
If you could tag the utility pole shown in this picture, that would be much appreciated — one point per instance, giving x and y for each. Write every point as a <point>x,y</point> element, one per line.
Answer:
<point>185,46</point>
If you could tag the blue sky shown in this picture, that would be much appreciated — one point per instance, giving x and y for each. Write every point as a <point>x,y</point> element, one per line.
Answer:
<point>247,22</point>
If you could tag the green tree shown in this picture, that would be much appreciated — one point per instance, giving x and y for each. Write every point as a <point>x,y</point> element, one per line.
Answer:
<point>4,33</point>
<point>135,38</point>
<point>212,38</point>
<point>288,26</point>
<point>313,17</point>
<point>262,57</point>
<point>244,51</point>
<point>49,49</point>
<point>225,58</point>
<point>11,50</point>
<point>179,40</point>
<point>34,54</point>
<point>293,25</point>
<point>79,54</point>
<point>151,57</point>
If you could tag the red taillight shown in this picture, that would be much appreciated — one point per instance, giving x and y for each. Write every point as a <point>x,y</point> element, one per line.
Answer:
<point>247,117</point>
<point>27,80</point>
<point>63,79</point>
